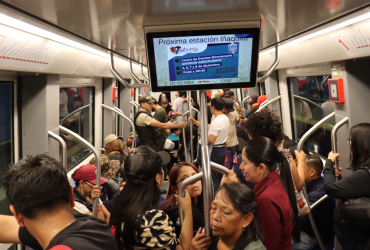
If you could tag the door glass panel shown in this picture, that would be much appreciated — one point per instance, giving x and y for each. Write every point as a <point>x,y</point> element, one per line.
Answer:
<point>76,113</point>
<point>310,103</point>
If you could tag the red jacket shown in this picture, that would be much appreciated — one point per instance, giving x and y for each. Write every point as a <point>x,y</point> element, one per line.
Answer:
<point>275,213</point>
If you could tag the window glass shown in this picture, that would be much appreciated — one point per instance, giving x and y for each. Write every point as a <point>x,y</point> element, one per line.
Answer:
<point>76,113</point>
<point>261,88</point>
<point>310,104</point>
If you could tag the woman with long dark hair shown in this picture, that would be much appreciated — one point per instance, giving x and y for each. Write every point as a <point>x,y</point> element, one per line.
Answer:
<point>233,220</point>
<point>179,173</point>
<point>350,234</point>
<point>138,222</point>
<point>277,205</point>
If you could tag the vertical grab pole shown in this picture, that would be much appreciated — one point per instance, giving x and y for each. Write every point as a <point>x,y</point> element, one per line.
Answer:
<point>206,166</point>
<point>334,138</point>
<point>299,148</point>
<point>191,126</point>
<point>184,138</point>
<point>198,129</point>
<point>97,157</point>
<point>64,147</point>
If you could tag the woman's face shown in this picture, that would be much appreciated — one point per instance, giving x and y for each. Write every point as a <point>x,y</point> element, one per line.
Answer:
<point>194,189</point>
<point>225,220</point>
<point>250,171</point>
<point>163,96</point>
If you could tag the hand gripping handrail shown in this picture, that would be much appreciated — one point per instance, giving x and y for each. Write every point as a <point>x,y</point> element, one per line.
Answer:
<point>299,148</point>
<point>135,103</point>
<point>307,100</point>
<point>97,158</point>
<point>184,138</point>
<point>244,101</point>
<point>64,147</point>
<point>273,66</point>
<point>266,103</point>
<point>334,136</point>
<point>120,113</point>
<point>119,77</point>
<point>142,73</point>
<point>74,112</point>
<point>197,177</point>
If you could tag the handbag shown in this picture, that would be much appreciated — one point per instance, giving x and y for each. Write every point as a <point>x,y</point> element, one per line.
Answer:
<point>354,212</point>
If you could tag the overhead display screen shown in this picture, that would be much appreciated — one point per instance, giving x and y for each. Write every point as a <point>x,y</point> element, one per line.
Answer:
<point>210,59</point>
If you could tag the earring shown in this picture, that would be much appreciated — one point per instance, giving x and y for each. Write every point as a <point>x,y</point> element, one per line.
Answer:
<point>83,192</point>
<point>22,223</point>
<point>243,229</point>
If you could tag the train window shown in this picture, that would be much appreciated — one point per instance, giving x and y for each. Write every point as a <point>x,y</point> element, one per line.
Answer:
<point>76,112</point>
<point>261,88</point>
<point>310,103</point>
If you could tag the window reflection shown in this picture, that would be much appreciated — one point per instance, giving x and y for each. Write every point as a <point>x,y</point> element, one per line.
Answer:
<point>76,114</point>
<point>311,104</point>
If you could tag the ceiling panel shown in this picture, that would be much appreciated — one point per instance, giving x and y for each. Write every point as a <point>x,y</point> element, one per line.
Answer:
<point>118,24</point>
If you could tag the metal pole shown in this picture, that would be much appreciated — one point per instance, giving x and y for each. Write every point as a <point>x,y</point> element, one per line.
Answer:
<point>97,157</point>
<point>245,106</point>
<point>79,123</point>
<point>142,74</point>
<point>307,100</point>
<point>120,113</point>
<point>219,168</point>
<point>64,147</point>
<point>266,103</point>
<point>206,168</point>
<point>120,78</point>
<point>334,137</point>
<point>273,66</point>
<point>184,138</point>
<point>191,126</point>
<point>74,112</point>
<point>299,148</point>
<point>198,129</point>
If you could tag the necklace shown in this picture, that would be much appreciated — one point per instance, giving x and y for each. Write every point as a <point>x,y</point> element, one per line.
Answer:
<point>66,225</point>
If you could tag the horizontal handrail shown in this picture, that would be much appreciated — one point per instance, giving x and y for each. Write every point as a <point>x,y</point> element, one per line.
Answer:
<point>185,183</point>
<point>97,158</point>
<point>195,110</point>
<point>245,99</point>
<point>119,77</point>
<point>219,168</point>
<point>135,103</point>
<point>273,66</point>
<point>312,130</point>
<point>307,100</point>
<point>266,103</point>
<point>64,148</point>
<point>74,112</point>
<point>120,112</point>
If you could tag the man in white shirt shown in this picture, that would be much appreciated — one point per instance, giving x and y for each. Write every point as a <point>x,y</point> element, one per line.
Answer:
<point>217,135</point>
<point>180,105</point>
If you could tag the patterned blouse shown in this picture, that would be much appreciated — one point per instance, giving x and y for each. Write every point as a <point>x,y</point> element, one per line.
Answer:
<point>157,232</point>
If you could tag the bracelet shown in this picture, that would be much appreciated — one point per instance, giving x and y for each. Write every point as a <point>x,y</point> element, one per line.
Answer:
<point>100,209</point>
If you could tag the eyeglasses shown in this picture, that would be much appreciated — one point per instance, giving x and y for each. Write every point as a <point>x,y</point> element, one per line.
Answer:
<point>349,140</point>
<point>88,183</point>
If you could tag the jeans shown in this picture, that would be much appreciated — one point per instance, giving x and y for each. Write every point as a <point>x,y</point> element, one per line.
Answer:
<point>217,156</point>
<point>307,242</point>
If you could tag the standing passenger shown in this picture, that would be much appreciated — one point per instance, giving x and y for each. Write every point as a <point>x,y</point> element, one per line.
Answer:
<point>41,200</point>
<point>180,105</point>
<point>161,116</point>
<point>357,184</point>
<point>217,136</point>
<point>145,123</point>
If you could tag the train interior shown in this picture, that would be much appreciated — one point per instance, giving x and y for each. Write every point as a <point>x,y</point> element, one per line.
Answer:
<point>96,50</point>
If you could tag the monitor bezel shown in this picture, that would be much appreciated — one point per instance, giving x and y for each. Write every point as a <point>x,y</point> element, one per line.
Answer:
<point>152,67</point>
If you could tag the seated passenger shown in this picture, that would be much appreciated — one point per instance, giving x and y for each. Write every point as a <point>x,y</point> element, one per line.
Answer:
<point>114,148</point>
<point>349,233</point>
<point>180,172</point>
<point>86,192</point>
<point>323,213</point>
<point>277,205</point>
<point>138,222</point>
<point>233,221</point>
<point>41,201</point>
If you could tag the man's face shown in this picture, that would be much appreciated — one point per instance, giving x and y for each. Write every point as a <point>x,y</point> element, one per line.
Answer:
<point>147,106</point>
<point>232,97</point>
<point>77,104</point>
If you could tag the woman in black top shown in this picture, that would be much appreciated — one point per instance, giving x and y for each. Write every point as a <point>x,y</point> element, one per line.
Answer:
<point>180,172</point>
<point>355,185</point>
<point>233,221</point>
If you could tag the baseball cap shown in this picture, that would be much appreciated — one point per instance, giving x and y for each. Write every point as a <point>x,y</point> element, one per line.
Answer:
<point>301,83</point>
<point>88,173</point>
<point>111,138</point>
<point>229,105</point>
<point>146,98</point>
<point>252,99</point>
<point>172,114</point>
<point>164,100</point>
<point>142,164</point>
<point>260,100</point>
<point>229,94</point>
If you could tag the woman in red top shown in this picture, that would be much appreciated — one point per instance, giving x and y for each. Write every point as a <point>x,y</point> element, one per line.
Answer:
<point>275,196</point>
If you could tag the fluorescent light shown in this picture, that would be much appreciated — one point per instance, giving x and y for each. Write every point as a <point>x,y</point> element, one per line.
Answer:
<point>23,26</point>
<point>320,32</point>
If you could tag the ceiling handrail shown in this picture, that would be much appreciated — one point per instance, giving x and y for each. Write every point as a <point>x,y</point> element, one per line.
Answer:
<point>273,66</point>
<point>133,74</point>
<point>74,112</point>
<point>142,73</point>
<point>135,103</point>
<point>97,158</point>
<point>266,103</point>
<point>119,77</point>
<point>307,100</point>
<point>64,148</point>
